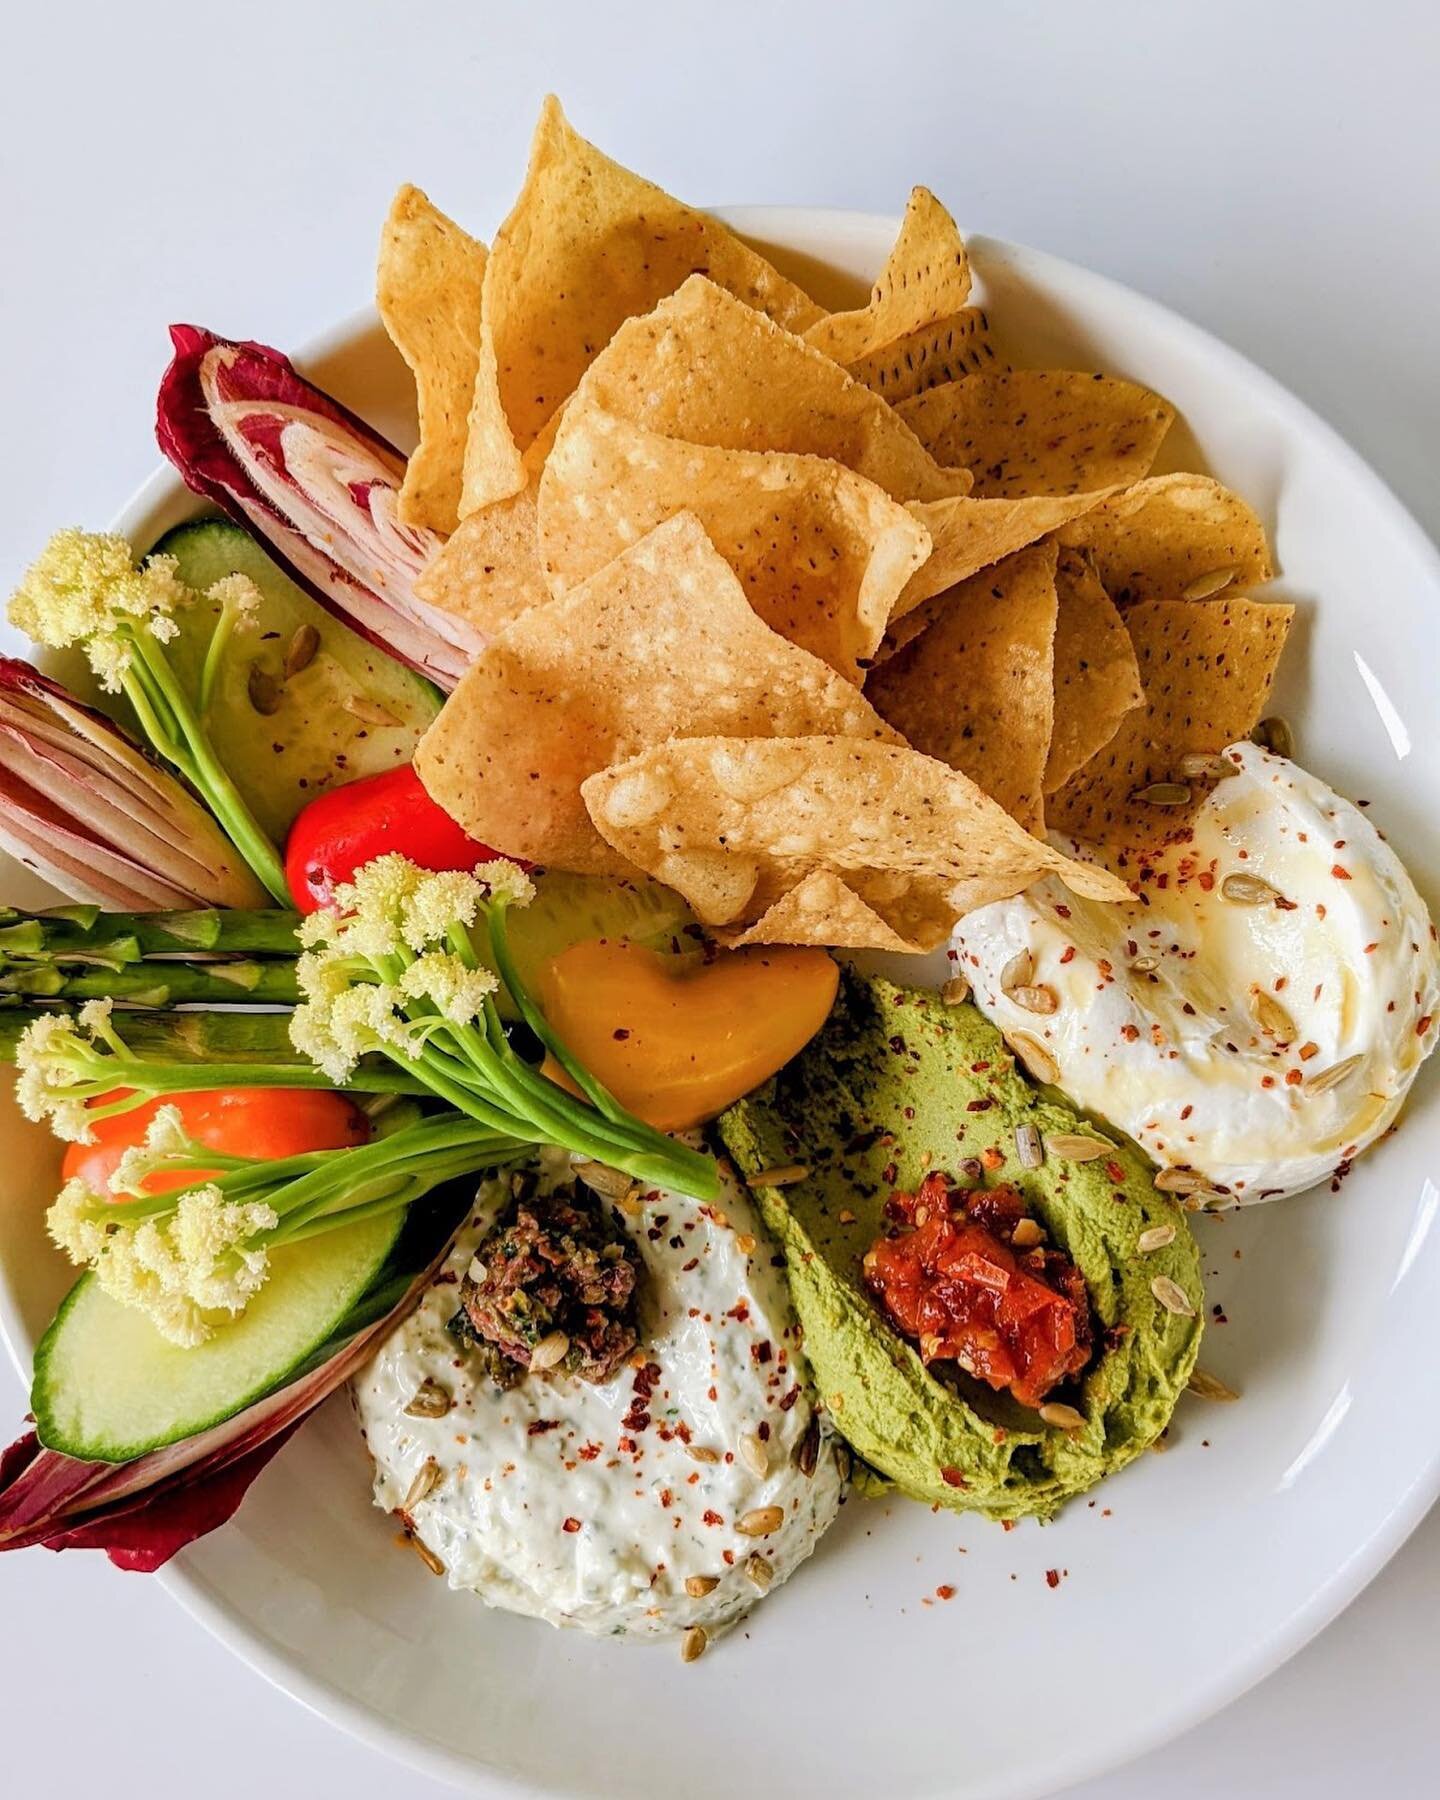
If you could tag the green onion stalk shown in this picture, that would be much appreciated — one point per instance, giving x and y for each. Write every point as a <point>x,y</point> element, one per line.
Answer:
<point>193,1256</point>
<point>85,590</point>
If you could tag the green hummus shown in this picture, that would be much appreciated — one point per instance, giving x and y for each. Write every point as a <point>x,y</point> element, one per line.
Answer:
<point>896,1084</point>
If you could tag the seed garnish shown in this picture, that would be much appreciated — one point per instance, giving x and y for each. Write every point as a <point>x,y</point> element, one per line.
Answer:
<point>1156,1238</point>
<point>1209,1387</point>
<point>1163,793</point>
<point>431,1561</point>
<point>702,1453</point>
<point>264,691</point>
<point>1200,765</point>
<point>754,1455</point>
<point>1027,1234</point>
<point>600,1178</point>
<point>426,1478</point>
<point>1270,1015</point>
<point>698,1586</point>
<point>692,1645</point>
<point>368,711</point>
<point>1018,972</point>
<point>1062,1417</point>
<point>760,1521</point>
<point>429,1401</point>
<point>1334,1075</point>
<point>1072,1147</point>
<point>1203,586</point>
<point>1275,736</point>
<point>300,651</point>
<point>1179,1181</point>
<point>1029,1152</point>
<point>1034,996</point>
<point>1172,1297</point>
<point>807,1451</point>
<point>1249,890</point>
<point>553,1348</point>
<point>759,1571</point>
<point>1036,1058</point>
<point>955,991</point>
<point>782,1175</point>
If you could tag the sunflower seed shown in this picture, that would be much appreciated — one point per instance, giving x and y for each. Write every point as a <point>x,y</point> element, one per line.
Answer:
<point>264,690</point>
<point>1156,1238</point>
<point>1270,1015</point>
<point>553,1348</point>
<point>426,1478</point>
<point>1018,972</point>
<point>1036,1058</point>
<point>1201,765</point>
<point>368,711</point>
<point>760,1521</point>
<point>702,1453</point>
<point>1209,1387</point>
<point>1063,1418</point>
<point>1326,1079</point>
<point>1029,1152</point>
<point>782,1175</point>
<point>1275,736</point>
<point>1163,793</point>
<point>692,1645</point>
<point>429,1401</point>
<point>759,1571</point>
<point>1035,997</point>
<point>1144,965</point>
<point>1179,1181</point>
<point>1071,1147</point>
<point>1249,890</point>
<point>477,1270</point>
<point>431,1561</point>
<point>698,1586</point>
<point>1203,586</point>
<point>754,1455</point>
<point>600,1178</point>
<point>300,651</point>
<point>1172,1296</point>
<point>955,991</point>
<point>807,1451</point>
<point>1027,1234</point>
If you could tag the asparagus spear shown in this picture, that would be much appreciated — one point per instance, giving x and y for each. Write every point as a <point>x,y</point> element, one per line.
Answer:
<point>171,1051</point>
<point>86,931</point>
<point>234,982</point>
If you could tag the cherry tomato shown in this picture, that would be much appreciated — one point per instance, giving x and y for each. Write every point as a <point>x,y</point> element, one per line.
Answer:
<point>351,825</point>
<point>265,1122</point>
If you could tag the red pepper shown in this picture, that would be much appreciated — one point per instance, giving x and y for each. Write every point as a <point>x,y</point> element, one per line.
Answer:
<point>351,825</point>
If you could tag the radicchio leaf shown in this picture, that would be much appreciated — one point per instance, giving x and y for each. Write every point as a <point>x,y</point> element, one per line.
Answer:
<point>141,1512</point>
<point>84,806</point>
<point>286,461</point>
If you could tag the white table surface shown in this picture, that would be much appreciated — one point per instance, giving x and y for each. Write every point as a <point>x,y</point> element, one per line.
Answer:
<point>1271,168</point>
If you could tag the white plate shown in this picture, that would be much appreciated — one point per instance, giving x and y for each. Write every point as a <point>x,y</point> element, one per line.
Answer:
<point>1191,1575</point>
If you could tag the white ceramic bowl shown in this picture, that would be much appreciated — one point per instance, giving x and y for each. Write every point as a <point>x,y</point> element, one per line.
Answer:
<point>1191,1575</point>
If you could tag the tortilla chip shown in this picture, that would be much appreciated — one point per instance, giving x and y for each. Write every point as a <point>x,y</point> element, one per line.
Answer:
<point>969,535</point>
<point>1097,679</point>
<point>489,572</point>
<point>427,287</point>
<point>820,910</point>
<point>1206,667</point>
<point>1041,431</point>
<point>926,277</point>
<point>662,642</point>
<point>707,368</point>
<point>976,691</point>
<point>1171,534</point>
<point>821,553</point>
<point>945,351</point>
<point>586,246</point>
<point>737,825</point>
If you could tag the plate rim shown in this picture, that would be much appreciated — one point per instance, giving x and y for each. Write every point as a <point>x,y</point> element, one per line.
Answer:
<point>1341,1586</point>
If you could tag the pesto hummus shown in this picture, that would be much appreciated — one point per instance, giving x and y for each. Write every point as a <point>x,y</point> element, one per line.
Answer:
<point>899,1084</point>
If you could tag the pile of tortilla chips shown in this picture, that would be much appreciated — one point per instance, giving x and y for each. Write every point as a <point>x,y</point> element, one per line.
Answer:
<point>824,619</point>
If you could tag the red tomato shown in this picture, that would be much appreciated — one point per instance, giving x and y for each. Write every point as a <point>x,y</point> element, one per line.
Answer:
<point>351,825</point>
<point>265,1122</point>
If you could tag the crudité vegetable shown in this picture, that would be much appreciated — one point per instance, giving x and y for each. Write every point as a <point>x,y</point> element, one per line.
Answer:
<point>82,805</point>
<point>85,591</point>
<point>316,483</point>
<point>334,835</point>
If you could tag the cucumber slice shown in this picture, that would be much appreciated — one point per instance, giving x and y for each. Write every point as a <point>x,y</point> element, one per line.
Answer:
<point>283,738</point>
<point>108,1387</point>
